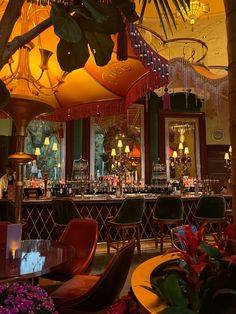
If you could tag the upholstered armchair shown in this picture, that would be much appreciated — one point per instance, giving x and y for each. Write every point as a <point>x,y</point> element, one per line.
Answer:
<point>91,293</point>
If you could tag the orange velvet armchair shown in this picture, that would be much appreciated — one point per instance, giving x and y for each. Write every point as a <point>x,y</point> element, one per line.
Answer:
<point>91,293</point>
<point>82,234</point>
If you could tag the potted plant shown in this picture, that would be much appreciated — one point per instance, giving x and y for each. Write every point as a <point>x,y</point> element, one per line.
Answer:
<point>202,280</point>
<point>21,298</point>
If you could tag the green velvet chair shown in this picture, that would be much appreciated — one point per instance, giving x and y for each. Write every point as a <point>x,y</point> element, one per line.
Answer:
<point>126,224</point>
<point>64,210</point>
<point>210,211</point>
<point>168,210</point>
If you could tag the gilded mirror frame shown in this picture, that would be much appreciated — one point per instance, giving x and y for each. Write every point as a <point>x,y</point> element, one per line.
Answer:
<point>142,146</point>
<point>198,119</point>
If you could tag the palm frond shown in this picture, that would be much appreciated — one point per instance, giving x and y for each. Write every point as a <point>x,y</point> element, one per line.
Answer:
<point>164,11</point>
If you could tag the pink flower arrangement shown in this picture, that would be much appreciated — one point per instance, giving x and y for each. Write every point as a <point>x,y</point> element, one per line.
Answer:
<point>21,298</point>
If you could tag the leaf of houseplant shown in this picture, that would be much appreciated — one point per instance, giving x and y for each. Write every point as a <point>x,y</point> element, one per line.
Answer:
<point>127,8</point>
<point>112,25</point>
<point>160,4</point>
<point>65,27</point>
<point>101,46</point>
<point>72,56</point>
<point>211,251</point>
<point>175,292</point>
<point>4,95</point>
<point>177,310</point>
<point>95,10</point>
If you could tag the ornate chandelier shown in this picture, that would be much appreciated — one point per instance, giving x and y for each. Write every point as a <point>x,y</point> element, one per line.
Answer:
<point>194,11</point>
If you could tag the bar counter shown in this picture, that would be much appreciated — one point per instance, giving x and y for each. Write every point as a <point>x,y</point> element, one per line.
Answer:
<point>38,212</point>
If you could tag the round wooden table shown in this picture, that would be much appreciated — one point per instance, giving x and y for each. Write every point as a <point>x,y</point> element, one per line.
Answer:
<point>38,257</point>
<point>149,302</point>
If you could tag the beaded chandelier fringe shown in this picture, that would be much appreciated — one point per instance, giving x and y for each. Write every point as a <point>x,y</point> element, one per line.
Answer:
<point>65,2</point>
<point>48,2</point>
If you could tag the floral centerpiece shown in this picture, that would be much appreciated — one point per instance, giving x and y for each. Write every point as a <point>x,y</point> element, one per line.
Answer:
<point>203,279</point>
<point>24,298</point>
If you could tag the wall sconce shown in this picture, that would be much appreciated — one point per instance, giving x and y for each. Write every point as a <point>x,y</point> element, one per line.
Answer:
<point>227,158</point>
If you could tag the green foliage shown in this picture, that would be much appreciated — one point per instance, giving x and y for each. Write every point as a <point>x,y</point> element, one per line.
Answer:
<point>208,277</point>
<point>164,12</point>
<point>65,26</point>
<point>101,46</point>
<point>72,56</point>
<point>89,23</point>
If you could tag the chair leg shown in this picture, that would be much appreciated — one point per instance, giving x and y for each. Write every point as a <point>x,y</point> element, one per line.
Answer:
<point>138,239</point>
<point>123,236</point>
<point>161,237</point>
<point>155,234</point>
<point>108,239</point>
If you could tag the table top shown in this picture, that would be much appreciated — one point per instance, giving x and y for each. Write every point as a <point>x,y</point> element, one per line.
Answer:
<point>37,257</point>
<point>149,301</point>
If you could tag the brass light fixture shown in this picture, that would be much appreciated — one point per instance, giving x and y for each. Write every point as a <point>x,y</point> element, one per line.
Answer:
<point>194,11</point>
<point>48,2</point>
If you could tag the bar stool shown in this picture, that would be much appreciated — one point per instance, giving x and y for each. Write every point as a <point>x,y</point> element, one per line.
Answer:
<point>210,210</point>
<point>126,224</point>
<point>64,210</point>
<point>168,210</point>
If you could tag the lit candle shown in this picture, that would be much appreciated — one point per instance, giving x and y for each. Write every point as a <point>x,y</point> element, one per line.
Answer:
<point>13,253</point>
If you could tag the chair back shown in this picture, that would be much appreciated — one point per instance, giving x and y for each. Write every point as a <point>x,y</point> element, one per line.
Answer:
<point>131,210</point>
<point>178,235</point>
<point>107,289</point>
<point>64,210</point>
<point>211,206</point>
<point>168,207</point>
<point>7,210</point>
<point>82,234</point>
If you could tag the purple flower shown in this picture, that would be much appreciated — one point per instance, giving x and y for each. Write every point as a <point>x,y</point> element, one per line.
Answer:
<point>22,298</point>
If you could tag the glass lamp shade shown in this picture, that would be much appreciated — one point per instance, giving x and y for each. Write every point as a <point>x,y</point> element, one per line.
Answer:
<point>54,147</point>
<point>119,144</point>
<point>127,150</point>
<point>46,141</point>
<point>37,151</point>
<point>226,157</point>
<point>181,146</point>
<point>186,150</point>
<point>230,149</point>
<point>113,152</point>
<point>174,154</point>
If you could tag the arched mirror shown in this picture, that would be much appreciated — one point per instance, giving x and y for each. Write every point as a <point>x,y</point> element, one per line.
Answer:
<point>182,144</point>
<point>117,145</point>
